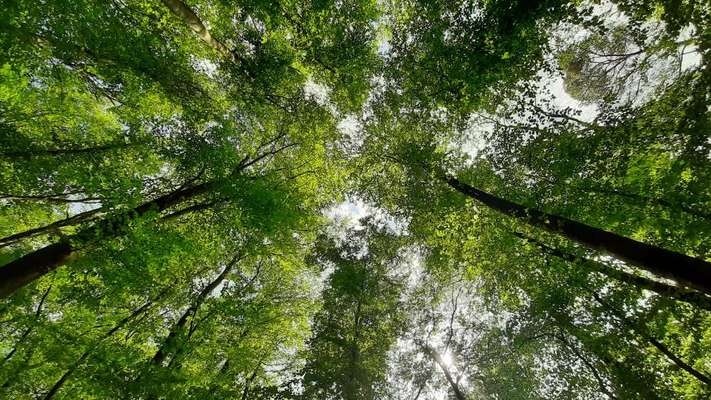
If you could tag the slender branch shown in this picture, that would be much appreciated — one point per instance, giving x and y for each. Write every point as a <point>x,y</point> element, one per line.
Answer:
<point>654,342</point>
<point>556,115</point>
<point>54,226</point>
<point>438,359</point>
<point>70,151</point>
<point>29,329</point>
<point>50,198</point>
<point>695,298</point>
<point>172,338</point>
<point>189,210</point>
<point>589,365</point>
<point>267,154</point>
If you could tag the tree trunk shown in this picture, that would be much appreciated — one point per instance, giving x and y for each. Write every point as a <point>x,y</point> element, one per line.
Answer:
<point>688,271</point>
<point>689,296</point>
<point>31,266</point>
<point>171,340</point>
<point>438,359</point>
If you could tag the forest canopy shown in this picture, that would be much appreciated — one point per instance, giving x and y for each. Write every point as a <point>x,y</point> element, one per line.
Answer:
<point>358,199</point>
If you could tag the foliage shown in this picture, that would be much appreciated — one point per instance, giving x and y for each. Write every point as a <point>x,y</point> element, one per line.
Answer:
<point>172,173</point>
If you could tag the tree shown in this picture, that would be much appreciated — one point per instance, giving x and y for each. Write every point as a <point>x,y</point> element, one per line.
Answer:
<point>359,319</point>
<point>682,268</point>
<point>355,200</point>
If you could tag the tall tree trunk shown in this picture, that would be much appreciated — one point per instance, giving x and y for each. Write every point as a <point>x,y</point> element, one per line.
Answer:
<point>432,353</point>
<point>171,342</point>
<point>188,16</point>
<point>43,230</point>
<point>688,271</point>
<point>689,296</point>
<point>31,266</point>
<point>68,373</point>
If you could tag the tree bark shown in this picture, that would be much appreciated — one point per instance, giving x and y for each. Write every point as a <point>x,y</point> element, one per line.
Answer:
<point>688,271</point>
<point>685,295</point>
<point>29,267</point>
